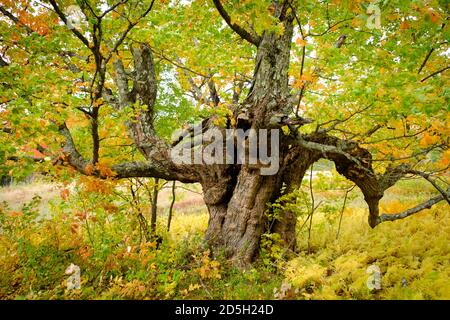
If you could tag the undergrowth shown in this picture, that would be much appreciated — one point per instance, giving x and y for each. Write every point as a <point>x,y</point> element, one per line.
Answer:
<point>102,235</point>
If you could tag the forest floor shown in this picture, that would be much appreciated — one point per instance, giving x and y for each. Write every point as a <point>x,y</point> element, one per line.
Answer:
<point>338,256</point>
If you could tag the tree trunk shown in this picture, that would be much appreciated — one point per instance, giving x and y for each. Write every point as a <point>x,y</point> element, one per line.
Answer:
<point>293,175</point>
<point>238,204</point>
<point>238,207</point>
<point>237,226</point>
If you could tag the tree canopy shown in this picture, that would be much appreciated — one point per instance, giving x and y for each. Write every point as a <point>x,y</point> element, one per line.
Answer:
<point>370,77</point>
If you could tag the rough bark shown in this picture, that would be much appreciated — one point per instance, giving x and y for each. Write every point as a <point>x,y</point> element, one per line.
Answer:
<point>238,225</point>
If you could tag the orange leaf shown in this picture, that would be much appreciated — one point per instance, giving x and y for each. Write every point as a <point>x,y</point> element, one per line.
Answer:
<point>434,16</point>
<point>89,169</point>
<point>37,154</point>
<point>301,42</point>
<point>15,214</point>
<point>446,158</point>
<point>65,194</point>
<point>404,25</point>
<point>428,139</point>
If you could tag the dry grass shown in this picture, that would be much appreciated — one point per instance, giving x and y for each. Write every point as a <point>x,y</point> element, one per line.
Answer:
<point>17,195</point>
<point>189,198</point>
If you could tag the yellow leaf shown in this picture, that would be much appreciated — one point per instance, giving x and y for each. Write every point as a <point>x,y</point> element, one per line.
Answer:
<point>193,287</point>
<point>380,92</point>
<point>393,206</point>
<point>306,77</point>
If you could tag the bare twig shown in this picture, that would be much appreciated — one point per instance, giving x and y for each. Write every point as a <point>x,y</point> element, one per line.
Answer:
<point>426,59</point>
<point>169,220</point>
<point>434,74</point>
<point>342,210</point>
<point>312,207</point>
<point>428,177</point>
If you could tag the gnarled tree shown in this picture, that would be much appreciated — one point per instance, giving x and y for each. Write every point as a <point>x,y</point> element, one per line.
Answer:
<point>373,102</point>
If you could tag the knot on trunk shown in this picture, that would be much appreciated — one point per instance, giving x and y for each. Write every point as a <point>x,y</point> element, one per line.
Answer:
<point>216,193</point>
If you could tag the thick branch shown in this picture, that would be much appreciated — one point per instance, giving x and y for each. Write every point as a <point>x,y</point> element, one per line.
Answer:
<point>214,96</point>
<point>355,163</point>
<point>157,169</point>
<point>71,154</point>
<point>253,39</point>
<point>121,81</point>
<point>329,149</point>
<point>17,158</point>
<point>136,169</point>
<point>145,79</point>
<point>425,205</point>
